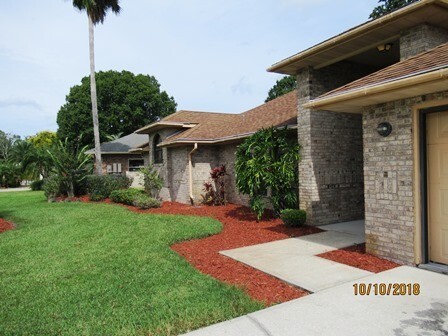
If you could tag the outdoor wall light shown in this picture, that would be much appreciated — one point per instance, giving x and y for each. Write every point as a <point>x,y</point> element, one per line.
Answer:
<point>384,129</point>
<point>384,47</point>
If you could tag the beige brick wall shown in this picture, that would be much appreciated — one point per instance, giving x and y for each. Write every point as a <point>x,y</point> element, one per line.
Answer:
<point>331,167</point>
<point>421,38</point>
<point>389,179</point>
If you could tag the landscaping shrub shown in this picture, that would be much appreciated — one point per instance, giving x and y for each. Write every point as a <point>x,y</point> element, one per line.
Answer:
<point>215,193</point>
<point>268,160</point>
<point>293,217</point>
<point>37,185</point>
<point>153,182</point>
<point>99,187</point>
<point>126,196</point>
<point>52,187</point>
<point>145,202</point>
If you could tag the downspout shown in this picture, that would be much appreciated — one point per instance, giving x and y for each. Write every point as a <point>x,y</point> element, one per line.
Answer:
<point>190,165</point>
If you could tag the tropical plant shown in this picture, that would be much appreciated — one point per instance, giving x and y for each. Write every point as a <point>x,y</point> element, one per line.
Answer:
<point>215,192</point>
<point>152,180</point>
<point>96,13</point>
<point>10,174</point>
<point>7,141</point>
<point>71,165</point>
<point>268,160</point>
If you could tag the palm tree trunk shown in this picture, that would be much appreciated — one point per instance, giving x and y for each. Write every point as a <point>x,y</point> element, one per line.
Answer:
<point>96,131</point>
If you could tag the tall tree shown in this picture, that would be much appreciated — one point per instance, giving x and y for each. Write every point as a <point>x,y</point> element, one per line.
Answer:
<point>96,12</point>
<point>126,102</point>
<point>389,6</point>
<point>283,86</point>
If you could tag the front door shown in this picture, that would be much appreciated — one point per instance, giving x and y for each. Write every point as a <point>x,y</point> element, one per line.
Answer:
<point>437,154</point>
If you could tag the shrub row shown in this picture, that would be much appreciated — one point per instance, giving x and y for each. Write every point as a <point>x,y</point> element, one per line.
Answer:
<point>99,187</point>
<point>37,185</point>
<point>134,197</point>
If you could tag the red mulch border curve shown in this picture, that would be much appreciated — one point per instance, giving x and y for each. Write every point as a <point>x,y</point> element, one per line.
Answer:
<point>5,225</point>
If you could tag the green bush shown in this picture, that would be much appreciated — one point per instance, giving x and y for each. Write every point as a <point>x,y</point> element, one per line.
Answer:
<point>37,185</point>
<point>99,187</point>
<point>126,196</point>
<point>153,182</point>
<point>52,187</point>
<point>145,202</point>
<point>293,217</point>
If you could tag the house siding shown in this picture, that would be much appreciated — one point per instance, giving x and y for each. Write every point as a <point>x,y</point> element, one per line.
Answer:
<point>331,167</point>
<point>389,179</point>
<point>421,38</point>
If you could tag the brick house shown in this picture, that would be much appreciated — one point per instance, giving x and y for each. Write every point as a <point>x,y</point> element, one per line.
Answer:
<point>185,146</point>
<point>125,156</point>
<point>373,126</point>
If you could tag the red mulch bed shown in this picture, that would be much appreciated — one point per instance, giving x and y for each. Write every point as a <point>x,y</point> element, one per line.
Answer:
<point>5,226</point>
<point>240,229</point>
<point>356,256</point>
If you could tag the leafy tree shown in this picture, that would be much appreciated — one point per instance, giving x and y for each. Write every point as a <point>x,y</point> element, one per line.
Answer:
<point>268,160</point>
<point>44,139</point>
<point>389,6</point>
<point>282,87</point>
<point>7,141</point>
<point>126,102</point>
<point>96,13</point>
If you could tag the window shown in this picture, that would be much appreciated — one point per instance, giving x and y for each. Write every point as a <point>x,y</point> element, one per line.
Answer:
<point>136,164</point>
<point>158,152</point>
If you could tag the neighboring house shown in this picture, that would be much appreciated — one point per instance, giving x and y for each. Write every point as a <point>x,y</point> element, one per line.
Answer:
<point>373,127</point>
<point>125,156</point>
<point>187,145</point>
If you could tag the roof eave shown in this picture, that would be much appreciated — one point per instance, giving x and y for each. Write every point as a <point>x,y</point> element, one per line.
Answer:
<point>162,125</point>
<point>282,66</point>
<point>354,101</point>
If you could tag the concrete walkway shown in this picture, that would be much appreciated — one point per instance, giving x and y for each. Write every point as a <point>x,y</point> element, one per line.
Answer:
<point>337,311</point>
<point>294,260</point>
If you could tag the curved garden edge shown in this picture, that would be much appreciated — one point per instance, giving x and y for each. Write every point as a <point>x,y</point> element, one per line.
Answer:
<point>240,229</point>
<point>5,225</point>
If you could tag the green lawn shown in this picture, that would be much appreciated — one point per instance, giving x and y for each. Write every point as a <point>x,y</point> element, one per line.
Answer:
<point>98,269</point>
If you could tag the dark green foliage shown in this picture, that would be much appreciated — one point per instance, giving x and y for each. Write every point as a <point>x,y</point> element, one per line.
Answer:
<point>126,196</point>
<point>71,165</point>
<point>52,187</point>
<point>293,217</point>
<point>268,160</point>
<point>388,6</point>
<point>145,202</point>
<point>282,87</point>
<point>99,187</point>
<point>37,185</point>
<point>97,10</point>
<point>153,181</point>
<point>10,174</point>
<point>126,102</point>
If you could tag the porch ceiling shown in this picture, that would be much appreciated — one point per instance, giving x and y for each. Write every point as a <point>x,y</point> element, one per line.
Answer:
<point>366,36</point>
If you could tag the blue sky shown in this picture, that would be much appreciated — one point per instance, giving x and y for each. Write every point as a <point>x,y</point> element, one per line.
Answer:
<point>209,55</point>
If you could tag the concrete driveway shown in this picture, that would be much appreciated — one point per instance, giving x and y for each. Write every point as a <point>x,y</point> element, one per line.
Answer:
<point>338,311</point>
<point>16,189</point>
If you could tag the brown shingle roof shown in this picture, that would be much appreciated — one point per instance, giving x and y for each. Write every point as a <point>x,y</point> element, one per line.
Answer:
<point>215,127</point>
<point>431,60</point>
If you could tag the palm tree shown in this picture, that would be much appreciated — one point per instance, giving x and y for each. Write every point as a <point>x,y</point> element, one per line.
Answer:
<point>96,12</point>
